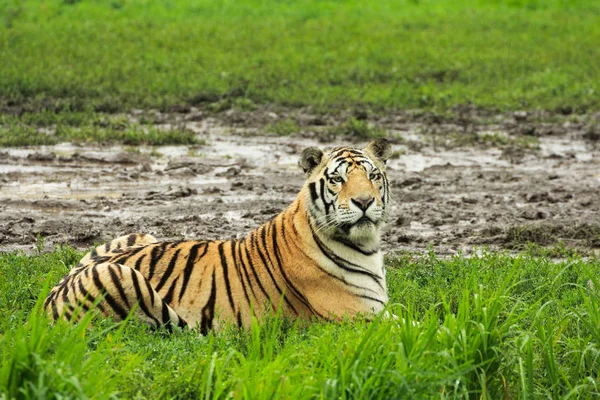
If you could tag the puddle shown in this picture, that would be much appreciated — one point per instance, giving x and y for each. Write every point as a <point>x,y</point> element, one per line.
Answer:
<point>418,162</point>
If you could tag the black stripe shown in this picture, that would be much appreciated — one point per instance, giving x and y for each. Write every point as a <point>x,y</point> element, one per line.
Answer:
<point>93,253</point>
<point>131,239</point>
<point>100,260</point>
<point>138,292</point>
<point>128,254</point>
<point>151,291</point>
<point>353,246</point>
<point>68,313</point>
<point>87,296</point>
<point>283,232</point>
<point>165,314</point>
<point>313,191</point>
<point>237,269</point>
<point>226,275</point>
<point>208,311</point>
<point>169,296</point>
<point>347,150</point>
<point>364,160</point>
<point>341,263</point>
<point>117,283</point>
<point>109,299</point>
<point>65,289</point>
<point>325,203</point>
<point>182,322</point>
<point>55,311</point>
<point>154,255</point>
<point>157,253</point>
<point>84,292</point>
<point>191,262</point>
<point>244,268</point>
<point>169,270</point>
<point>139,261</point>
<point>107,247</point>
<point>169,326</point>
<point>371,298</point>
<point>294,290</point>
<point>322,195</point>
<point>239,319</point>
<point>251,264</point>
<point>72,288</point>
<point>76,269</point>
<point>386,183</point>
<point>49,298</point>
<point>84,307</point>
<point>262,257</point>
<point>341,162</point>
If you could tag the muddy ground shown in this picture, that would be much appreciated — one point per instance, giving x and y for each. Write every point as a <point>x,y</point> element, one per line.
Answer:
<point>494,180</point>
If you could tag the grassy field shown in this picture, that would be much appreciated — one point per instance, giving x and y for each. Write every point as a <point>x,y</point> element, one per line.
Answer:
<point>493,326</point>
<point>117,54</point>
<point>490,326</point>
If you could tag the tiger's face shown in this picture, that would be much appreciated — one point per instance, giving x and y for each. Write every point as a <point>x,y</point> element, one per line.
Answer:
<point>347,191</point>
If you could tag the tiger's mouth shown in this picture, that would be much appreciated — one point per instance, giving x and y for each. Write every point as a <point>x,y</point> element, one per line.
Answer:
<point>362,222</point>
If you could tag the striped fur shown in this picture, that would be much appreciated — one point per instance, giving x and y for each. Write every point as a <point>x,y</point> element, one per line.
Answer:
<point>319,258</point>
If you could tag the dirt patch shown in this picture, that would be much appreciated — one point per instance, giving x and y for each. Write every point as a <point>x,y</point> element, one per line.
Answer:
<point>488,189</point>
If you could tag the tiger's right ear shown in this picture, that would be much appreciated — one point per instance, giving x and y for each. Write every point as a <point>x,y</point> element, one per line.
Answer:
<point>311,157</point>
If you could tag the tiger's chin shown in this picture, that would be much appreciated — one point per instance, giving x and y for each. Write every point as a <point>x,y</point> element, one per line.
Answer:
<point>363,232</point>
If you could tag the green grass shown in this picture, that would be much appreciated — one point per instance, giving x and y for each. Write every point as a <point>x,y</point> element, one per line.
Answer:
<point>47,129</point>
<point>283,128</point>
<point>491,326</point>
<point>356,128</point>
<point>452,140</point>
<point>545,234</point>
<point>112,55</point>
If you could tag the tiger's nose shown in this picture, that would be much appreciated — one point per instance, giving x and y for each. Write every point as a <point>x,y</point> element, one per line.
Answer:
<point>363,202</point>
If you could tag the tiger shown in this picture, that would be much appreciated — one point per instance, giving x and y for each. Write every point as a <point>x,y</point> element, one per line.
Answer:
<point>320,258</point>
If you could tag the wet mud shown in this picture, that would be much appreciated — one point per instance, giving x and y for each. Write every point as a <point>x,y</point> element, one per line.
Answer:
<point>456,186</point>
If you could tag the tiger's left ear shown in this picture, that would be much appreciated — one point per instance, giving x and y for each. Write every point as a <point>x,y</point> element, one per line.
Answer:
<point>380,148</point>
<point>310,158</point>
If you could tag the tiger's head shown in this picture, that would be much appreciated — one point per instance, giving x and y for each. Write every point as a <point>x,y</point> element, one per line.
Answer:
<point>346,193</point>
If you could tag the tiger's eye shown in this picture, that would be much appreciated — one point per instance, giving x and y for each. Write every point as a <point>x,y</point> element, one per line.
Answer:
<point>375,176</point>
<point>337,179</point>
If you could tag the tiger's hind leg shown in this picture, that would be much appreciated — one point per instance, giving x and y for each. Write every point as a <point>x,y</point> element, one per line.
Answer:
<point>115,290</point>
<point>114,247</point>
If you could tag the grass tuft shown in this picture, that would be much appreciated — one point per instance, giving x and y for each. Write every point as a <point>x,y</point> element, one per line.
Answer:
<point>544,234</point>
<point>483,140</point>
<point>14,133</point>
<point>283,128</point>
<point>359,129</point>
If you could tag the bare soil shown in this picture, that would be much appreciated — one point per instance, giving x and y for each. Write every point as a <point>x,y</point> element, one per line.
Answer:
<point>495,180</point>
